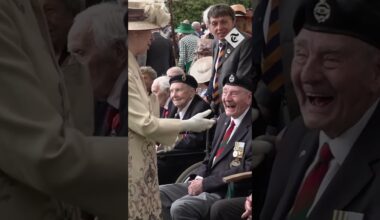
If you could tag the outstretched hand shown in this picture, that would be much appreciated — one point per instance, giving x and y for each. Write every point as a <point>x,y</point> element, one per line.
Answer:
<point>198,122</point>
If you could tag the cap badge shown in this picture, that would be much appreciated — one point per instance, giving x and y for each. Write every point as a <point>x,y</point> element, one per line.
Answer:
<point>184,77</point>
<point>231,79</point>
<point>322,11</point>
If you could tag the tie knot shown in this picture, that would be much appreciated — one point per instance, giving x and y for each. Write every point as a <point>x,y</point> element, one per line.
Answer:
<point>222,44</point>
<point>232,123</point>
<point>325,154</point>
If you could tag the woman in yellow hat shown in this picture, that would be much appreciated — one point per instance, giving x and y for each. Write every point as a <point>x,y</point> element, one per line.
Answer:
<point>144,129</point>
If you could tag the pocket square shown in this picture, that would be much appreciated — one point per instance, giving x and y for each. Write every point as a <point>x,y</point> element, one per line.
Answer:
<point>346,215</point>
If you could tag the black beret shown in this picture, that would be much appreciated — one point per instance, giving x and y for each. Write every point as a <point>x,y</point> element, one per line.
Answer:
<point>187,79</point>
<point>233,79</point>
<point>356,18</point>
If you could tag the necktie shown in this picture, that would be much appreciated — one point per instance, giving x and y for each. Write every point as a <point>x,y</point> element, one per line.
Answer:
<point>309,189</point>
<point>218,63</point>
<point>165,113</point>
<point>225,139</point>
<point>271,63</point>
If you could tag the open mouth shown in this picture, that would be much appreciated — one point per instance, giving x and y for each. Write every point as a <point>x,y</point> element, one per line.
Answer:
<point>230,107</point>
<point>319,100</point>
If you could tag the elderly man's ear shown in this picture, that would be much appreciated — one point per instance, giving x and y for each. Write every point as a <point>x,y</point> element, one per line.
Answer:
<point>121,52</point>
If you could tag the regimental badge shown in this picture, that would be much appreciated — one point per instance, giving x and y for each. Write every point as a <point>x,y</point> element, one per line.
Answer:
<point>184,77</point>
<point>322,11</point>
<point>231,79</point>
<point>228,51</point>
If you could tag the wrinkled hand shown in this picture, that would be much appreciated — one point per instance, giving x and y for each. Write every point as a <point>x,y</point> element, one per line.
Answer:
<point>195,188</point>
<point>198,122</point>
<point>248,208</point>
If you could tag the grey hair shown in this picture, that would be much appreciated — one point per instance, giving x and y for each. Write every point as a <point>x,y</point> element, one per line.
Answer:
<point>105,22</point>
<point>205,15</point>
<point>149,70</point>
<point>163,82</point>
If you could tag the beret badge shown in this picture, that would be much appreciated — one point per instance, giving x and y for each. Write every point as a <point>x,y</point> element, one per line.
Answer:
<point>322,11</point>
<point>231,79</point>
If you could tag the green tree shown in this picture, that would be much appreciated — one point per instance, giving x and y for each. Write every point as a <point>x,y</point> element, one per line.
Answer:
<point>192,9</point>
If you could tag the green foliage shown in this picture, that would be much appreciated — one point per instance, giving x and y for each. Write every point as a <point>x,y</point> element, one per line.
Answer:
<point>192,9</point>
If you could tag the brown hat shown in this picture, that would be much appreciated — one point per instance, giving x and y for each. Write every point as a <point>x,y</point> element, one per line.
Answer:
<point>201,69</point>
<point>147,15</point>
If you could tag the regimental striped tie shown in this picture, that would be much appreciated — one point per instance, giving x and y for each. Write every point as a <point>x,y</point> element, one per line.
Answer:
<point>272,74</point>
<point>218,63</point>
<point>310,186</point>
<point>225,140</point>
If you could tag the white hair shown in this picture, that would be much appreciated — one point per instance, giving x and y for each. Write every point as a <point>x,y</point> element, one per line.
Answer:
<point>104,21</point>
<point>205,15</point>
<point>163,82</point>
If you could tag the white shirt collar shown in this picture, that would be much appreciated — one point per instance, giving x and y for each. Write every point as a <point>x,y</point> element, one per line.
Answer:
<point>183,111</point>
<point>166,106</point>
<point>341,145</point>
<point>238,120</point>
<point>114,97</point>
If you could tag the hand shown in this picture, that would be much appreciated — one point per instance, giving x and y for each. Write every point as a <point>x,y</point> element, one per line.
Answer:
<point>248,208</point>
<point>195,188</point>
<point>198,122</point>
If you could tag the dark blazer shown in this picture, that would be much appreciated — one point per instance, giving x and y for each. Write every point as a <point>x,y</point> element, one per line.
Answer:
<point>355,187</point>
<point>190,150</point>
<point>160,55</point>
<point>236,60</point>
<point>192,141</point>
<point>213,173</point>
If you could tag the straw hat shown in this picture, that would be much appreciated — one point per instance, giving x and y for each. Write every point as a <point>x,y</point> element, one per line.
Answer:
<point>201,69</point>
<point>147,15</point>
<point>239,10</point>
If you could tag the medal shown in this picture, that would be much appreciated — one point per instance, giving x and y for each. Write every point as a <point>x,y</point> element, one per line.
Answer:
<point>235,163</point>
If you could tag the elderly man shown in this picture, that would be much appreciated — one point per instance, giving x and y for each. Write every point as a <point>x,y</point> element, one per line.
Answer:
<point>161,89</point>
<point>328,161</point>
<point>231,153</point>
<point>97,40</point>
<point>190,148</point>
<point>231,52</point>
<point>44,159</point>
<point>174,71</point>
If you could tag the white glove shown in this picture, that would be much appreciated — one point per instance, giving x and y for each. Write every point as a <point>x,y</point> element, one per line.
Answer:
<point>198,122</point>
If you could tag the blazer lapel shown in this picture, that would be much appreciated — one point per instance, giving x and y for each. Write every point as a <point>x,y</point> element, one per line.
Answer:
<point>189,110</point>
<point>240,132</point>
<point>354,174</point>
<point>306,154</point>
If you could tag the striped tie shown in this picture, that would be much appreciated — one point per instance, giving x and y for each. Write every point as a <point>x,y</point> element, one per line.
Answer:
<point>310,186</point>
<point>271,63</point>
<point>215,94</point>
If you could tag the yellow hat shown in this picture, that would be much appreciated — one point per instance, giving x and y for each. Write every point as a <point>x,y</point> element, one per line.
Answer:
<point>147,15</point>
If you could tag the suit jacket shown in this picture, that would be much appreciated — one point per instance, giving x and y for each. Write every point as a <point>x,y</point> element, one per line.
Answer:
<point>193,141</point>
<point>281,107</point>
<point>160,55</point>
<point>144,130</point>
<point>355,187</point>
<point>44,160</point>
<point>213,172</point>
<point>189,150</point>
<point>238,61</point>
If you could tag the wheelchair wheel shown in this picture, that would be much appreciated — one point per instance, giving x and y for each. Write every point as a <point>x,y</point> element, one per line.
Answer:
<point>185,174</point>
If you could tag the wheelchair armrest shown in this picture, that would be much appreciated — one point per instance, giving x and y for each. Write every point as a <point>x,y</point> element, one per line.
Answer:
<point>237,177</point>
